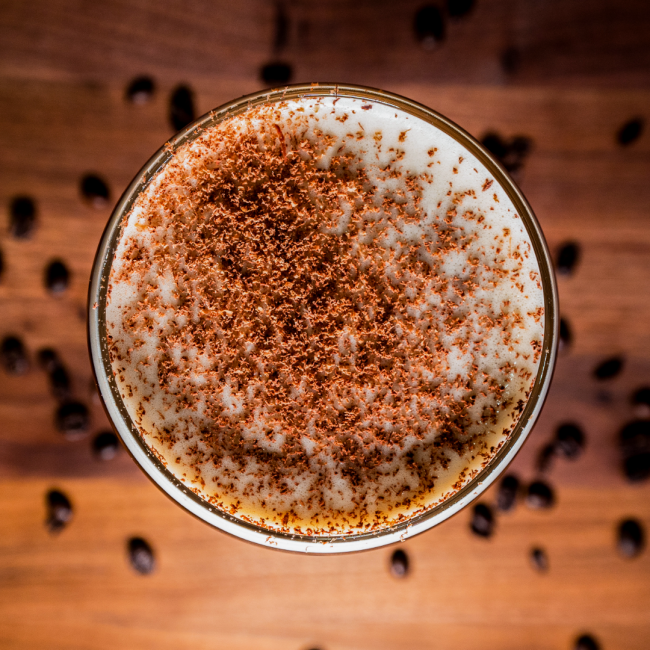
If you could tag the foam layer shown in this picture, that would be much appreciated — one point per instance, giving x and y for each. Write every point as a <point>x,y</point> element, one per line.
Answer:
<point>324,316</point>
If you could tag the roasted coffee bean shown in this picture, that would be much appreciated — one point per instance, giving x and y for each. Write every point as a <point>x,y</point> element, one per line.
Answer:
<point>637,468</point>
<point>399,564</point>
<point>630,131</point>
<point>140,90</point>
<point>608,368</point>
<point>181,108</point>
<point>539,559</point>
<point>95,191</point>
<point>569,440</point>
<point>141,555</point>
<point>495,145</point>
<point>459,8</point>
<point>631,538</point>
<point>641,399</point>
<point>429,26</point>
<point>14,357</point>
<point>586,642</point>
<point>58,375</point>
<point>57,277</point>
<point>276,73</point>
<point>106,445</point>
<point>59,511</point>
<point>565,335</point>
<point>507,494</point>
<point>73,420</point>
<point>482,523</point>
<point>22,217</point>
<point>545,458</point>
<point>540,496</point>
<point>568,257</point>
<point>635,438</point>
<point>47,359</point>
<point>511,60</point>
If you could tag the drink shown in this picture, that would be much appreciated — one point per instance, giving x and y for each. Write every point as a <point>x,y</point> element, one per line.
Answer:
<point>325,316</point>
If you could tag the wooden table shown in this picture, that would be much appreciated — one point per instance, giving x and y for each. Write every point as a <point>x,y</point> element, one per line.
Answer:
<point>565,73</point>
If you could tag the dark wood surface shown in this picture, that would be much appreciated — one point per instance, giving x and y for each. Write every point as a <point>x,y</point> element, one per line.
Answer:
<point>575,73</point>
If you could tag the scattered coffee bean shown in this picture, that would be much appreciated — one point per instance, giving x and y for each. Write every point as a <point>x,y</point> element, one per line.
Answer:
<point>569,440</point>
<point>586,642</point>
<point>14,357</point>
<point>281,34</point>
<point>95,191</point>
<point>631,538</point>
<point>429,26</point>
<point>630,131</point>
<point>106,445</point>
<point>57,277</point>
<point>482,520</point>
<point>22,217</point>
<point>459,8</point>
<point>181,108</point>
<point>637,468</point>
<point>539,559</point>
<point>399,564</point>
<point>565,335</point>
<point>510,154</point>
<point>568,257</point>
<point>59,511</point>
<point>507,494</point>
<point>511,60</point>
<point>141,555</point>
<point>540,496</point>
<point>608,368</point>
<point>545,458</point>
<point>58,375</point>
<point>73,420</point>
<point>635,438</point>
<point>276,73</point>
<point>140,90</point>
<point>641,402</point>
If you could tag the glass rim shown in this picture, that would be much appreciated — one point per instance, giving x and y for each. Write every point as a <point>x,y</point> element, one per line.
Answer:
<point>178,491</point>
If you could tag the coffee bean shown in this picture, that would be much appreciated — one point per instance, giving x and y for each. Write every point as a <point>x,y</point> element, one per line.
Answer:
<point>511,60</point>
<point>540,496</point>
<point>482,523</point>
<point>569,440</point>
<point>57,277</point>
<point>637,468</point>
<point>429,26</point>
<point>181,108</point>
<point>276,73</point>
<point>565,335</point>
<point>399,564</point>
<point>631,538</point>
<point>495,145</point>
<point>586,642</point>
<point>140,90</point>
<point>141,555</point>
<point>459,8</point>
<point>539,559</point>
<point>73,420</point>
<point>95,191</point>
<point>106,445</point>
<point>507,494</point>
<point>48,359</point>
<point>609,368</point>
<point>567,258</point>
<point>635,438</point>
<point>630,131</point>
<point>641,401</point>
<point>545,458</point>
<point>14,357</point>
<point>59,511</point>
<point>22,217</point>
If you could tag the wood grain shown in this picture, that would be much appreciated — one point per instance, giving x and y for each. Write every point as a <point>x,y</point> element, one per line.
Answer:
<point>582,70</point>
